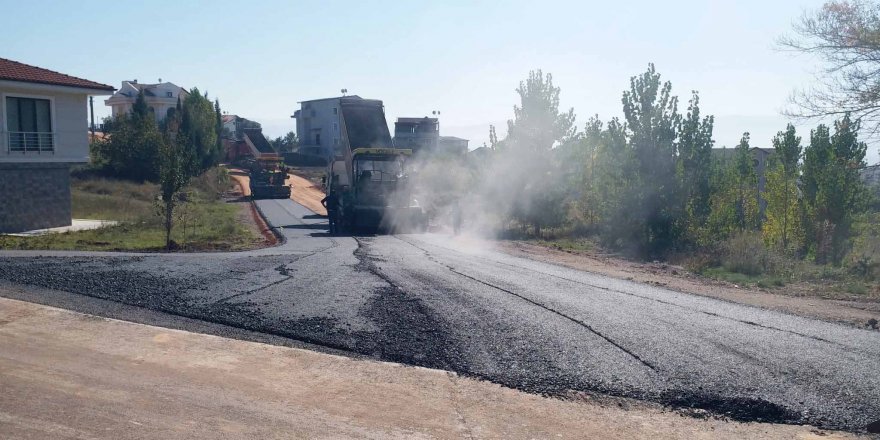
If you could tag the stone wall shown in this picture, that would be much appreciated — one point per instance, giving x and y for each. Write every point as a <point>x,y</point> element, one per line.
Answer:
<point>34,196</point>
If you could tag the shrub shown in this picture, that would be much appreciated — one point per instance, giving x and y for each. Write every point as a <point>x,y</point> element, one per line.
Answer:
<point>745,253</point>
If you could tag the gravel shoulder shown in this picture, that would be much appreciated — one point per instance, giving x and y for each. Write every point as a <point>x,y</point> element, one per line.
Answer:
<point>66,374</point>
<point>854,313</point>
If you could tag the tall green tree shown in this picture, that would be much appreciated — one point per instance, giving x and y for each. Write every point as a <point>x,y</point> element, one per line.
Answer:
<point>590,145</point>
<point>734,200</point>
<point>218,128</point>
<point>782,227</point>
<point>526,160</point>
<point>651,114</point>
<point>199,130</point>
<point>695,163</point>
<point>174,172</point>
<point>746,185</point>
<point>616,186</point>
<point>834,194</point>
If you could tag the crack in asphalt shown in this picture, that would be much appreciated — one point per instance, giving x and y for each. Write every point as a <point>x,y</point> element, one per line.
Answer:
<point>608,289</point>
<point>283,270</point>
<point>690,402</point>
<point>538,304</point>
<point>572,319</point>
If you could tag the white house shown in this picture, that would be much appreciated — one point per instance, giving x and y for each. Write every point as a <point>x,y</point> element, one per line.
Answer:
<point>160,98</point>
<point>44,120</point>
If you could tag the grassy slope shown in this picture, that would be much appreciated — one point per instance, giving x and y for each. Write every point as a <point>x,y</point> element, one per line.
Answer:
<point>805,279</point>
<point>205,222</point>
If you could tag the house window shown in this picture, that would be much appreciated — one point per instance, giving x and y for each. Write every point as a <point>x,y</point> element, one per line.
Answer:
<point>335,127</point>
<point>335,111</point>
<point>29,122</point>
<point>318,139</point>
<point>169,94</point>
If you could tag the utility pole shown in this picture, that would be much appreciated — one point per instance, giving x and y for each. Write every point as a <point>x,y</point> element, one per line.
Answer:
<point>92,113</point>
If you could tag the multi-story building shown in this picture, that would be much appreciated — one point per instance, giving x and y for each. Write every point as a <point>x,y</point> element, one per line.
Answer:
<point>417,134</point>
<point>423,135</point>
<point>160,98</point>
<point>43,131</point>
<point>318,125</point>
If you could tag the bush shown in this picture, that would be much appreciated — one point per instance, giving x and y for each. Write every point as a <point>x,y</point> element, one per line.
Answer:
<point>745,253</point>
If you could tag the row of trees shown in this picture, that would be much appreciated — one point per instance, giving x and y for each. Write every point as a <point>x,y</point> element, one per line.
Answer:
<point>185,144</point>
<point>285,144</point>
<point>649,183</point>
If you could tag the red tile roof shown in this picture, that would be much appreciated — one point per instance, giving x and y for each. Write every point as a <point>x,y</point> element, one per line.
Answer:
<point>15,71</point>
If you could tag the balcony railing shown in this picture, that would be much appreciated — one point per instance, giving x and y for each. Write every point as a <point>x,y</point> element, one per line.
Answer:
<point>31,142</point>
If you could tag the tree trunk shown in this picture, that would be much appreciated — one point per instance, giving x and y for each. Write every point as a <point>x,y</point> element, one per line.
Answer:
<point>169,210</point>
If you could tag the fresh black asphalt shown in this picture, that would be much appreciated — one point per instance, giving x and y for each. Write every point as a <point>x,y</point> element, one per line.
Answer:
<point>454,303</point>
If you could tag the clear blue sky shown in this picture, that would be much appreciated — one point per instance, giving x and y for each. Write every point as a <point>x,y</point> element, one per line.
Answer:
<point>462,58</point>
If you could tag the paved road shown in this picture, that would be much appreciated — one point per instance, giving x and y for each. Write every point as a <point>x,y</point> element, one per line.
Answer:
<point>453,303</point>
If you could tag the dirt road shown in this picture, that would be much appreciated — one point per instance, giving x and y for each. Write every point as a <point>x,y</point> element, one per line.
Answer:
<point>66,375</point>
<point>306,193</point>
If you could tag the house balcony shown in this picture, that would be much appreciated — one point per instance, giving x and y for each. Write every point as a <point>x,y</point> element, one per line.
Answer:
<point>30,142</point>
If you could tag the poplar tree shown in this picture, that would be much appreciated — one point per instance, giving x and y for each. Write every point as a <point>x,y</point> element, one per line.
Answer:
<point>833,191</point>
<point>538,125</point>
<point>695,162</point>
<point>782,226</point>
<point>651,114</point>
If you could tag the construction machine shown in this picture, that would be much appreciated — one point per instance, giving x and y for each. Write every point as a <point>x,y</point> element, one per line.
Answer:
<point>368,176</point>
<point>267,179</point>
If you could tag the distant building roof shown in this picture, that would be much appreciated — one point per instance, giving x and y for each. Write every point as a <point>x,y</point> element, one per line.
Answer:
<point>228,118</point>
<point>336,97</point>
<point>416,120</point>
<point>453,138</point>
<point>146,88</point>
<point>481,152</point>
<point>15,71</point>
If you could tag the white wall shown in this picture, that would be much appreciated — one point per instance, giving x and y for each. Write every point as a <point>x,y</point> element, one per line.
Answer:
<point>69,112</point>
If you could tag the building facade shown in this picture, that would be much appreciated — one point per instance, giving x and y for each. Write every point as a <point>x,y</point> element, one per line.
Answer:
<point>44,116</point>
<point>417,134</point>
<point>160,98</point>
<point>318,125</point>
<point>423,135</point>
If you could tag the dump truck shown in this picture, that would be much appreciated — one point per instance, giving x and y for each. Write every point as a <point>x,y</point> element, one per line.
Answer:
<point>368,176</point>
<point>267,179</point>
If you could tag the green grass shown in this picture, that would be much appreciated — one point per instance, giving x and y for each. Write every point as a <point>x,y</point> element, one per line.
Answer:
<point>205,222</point>
<point>107,199</point>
